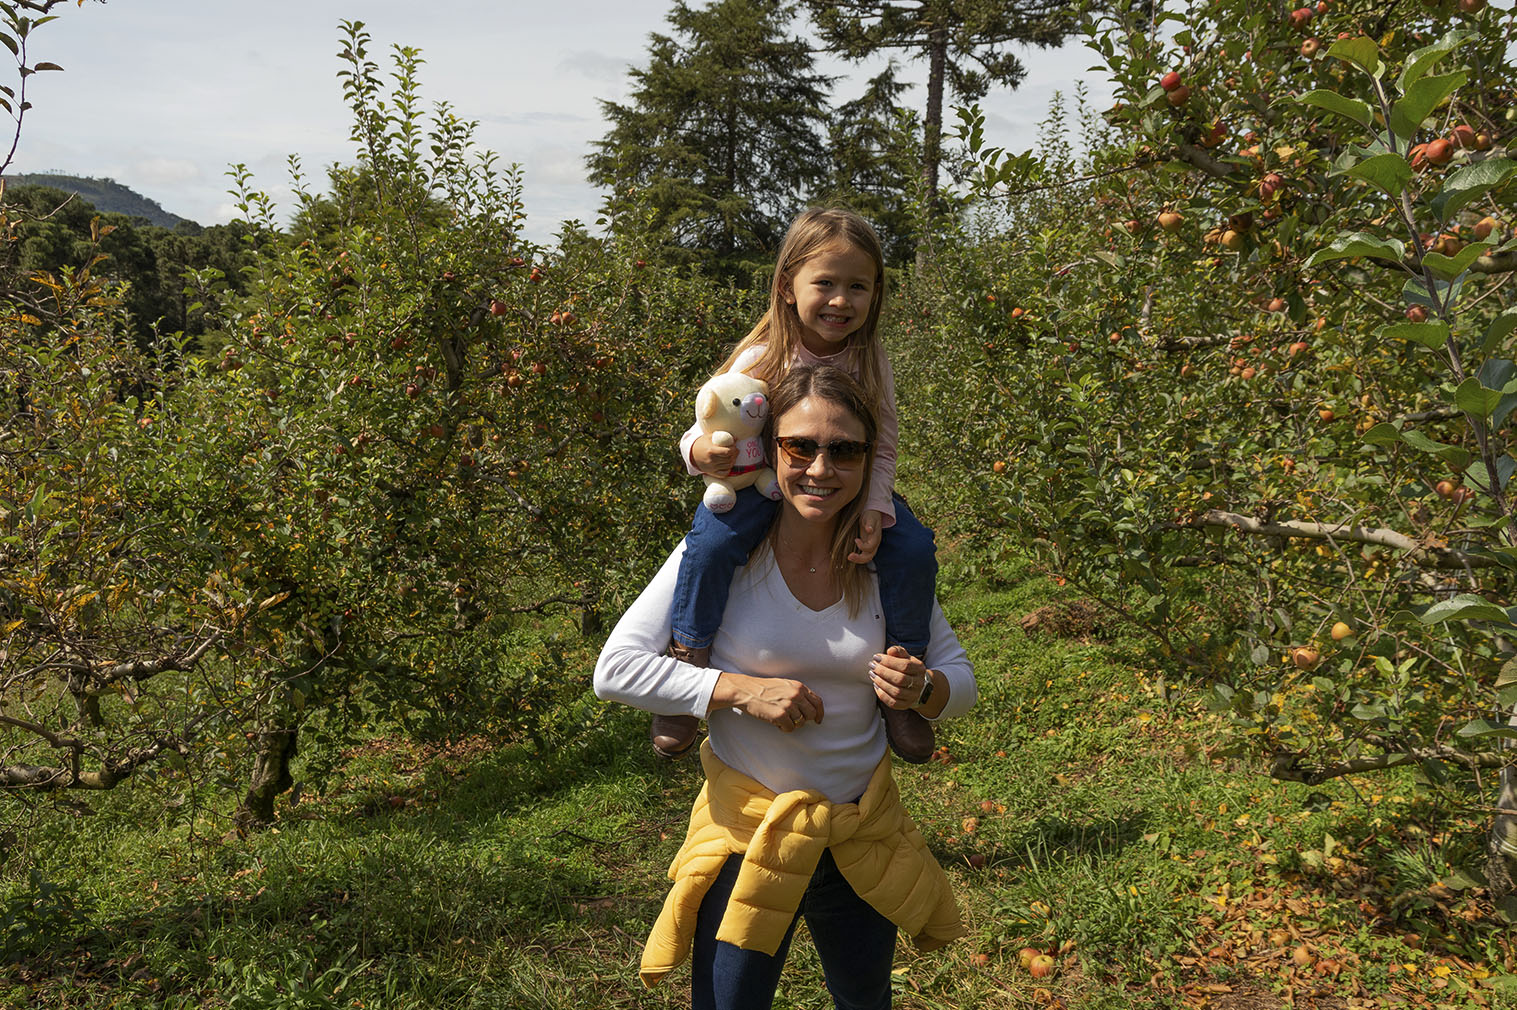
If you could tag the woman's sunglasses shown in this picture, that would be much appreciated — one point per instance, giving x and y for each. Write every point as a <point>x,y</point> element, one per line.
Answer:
<point>801,451</point>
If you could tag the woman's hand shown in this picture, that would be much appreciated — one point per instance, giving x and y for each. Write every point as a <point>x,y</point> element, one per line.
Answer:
<point>871,525</point>
<point>787,704</point>
<point>899,678</point>
<point>710,458</point>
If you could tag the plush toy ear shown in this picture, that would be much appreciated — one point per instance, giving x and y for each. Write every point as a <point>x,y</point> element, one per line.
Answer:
<point>705,404</point>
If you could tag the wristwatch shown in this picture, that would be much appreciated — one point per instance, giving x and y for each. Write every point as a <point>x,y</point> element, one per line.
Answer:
<point>926,692</point>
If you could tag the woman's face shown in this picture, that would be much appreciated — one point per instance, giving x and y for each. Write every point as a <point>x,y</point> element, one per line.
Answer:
<point>821,489</point>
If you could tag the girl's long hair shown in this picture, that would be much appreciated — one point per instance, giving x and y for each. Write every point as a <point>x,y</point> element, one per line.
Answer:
<point>779,329</point>
<point>831,385</point>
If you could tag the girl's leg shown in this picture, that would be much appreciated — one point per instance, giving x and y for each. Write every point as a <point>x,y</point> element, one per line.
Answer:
<point>714,548</point>
<point>907,562</point>
<point>856,943</point>
<point>725,977</point>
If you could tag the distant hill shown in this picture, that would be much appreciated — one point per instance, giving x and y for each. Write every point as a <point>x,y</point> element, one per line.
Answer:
<point>103,194</point>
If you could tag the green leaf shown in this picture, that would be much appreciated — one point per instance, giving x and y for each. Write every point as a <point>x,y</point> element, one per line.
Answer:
<point>1473,398</point>
<point>1470,183</point>
<point>1384,433</point>
<point>1419,101</point>
<point>1431,334</point>
<point>1449,268</point>
<point>1361,51</point>
<point>1389,173</point>
<point>1500,327</point>
<point>1464,607</point>
<point>1476,728</point>
<point>1424,59</point>
<point>1333,102</point>
<point>1454,455</point>
<point>1359,244</point>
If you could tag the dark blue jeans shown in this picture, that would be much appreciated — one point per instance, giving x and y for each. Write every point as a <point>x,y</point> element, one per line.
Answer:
<point>856,945</point>
<point>716,545</point>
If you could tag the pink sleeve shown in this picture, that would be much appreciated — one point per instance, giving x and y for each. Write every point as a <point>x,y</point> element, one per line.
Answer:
<point>687,440</point>
<point>882,477</point>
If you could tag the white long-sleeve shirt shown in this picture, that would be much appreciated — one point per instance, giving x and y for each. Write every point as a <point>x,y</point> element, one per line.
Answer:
<point>767,632</point>
<point>882,474</point>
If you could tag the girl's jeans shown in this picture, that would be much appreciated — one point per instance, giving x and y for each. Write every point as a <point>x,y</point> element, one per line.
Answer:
<point>716,545</point>
<point>855,943</point>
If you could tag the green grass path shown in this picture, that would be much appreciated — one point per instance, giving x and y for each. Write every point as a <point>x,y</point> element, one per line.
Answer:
<point>1080,809</point>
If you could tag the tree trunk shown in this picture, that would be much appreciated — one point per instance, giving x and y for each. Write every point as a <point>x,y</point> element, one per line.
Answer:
<point>932,130</point>
<point>271,776</point>
<point>1501,845</point>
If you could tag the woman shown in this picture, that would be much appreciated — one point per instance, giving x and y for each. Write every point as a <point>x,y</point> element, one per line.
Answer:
<point>799,814</point>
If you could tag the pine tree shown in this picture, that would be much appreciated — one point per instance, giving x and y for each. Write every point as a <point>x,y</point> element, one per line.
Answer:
<point>721,140</point>
<point>963,41</point>
<point>876,148</point>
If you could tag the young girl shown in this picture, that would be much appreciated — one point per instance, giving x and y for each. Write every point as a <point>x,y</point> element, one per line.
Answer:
<point>824,309</point>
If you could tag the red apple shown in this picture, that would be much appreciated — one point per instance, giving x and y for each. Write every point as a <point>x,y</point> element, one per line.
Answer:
<point>1171,80</point>
<point>1438,152</point>
<point>1446,488</point>
<point>1179,96</point>
<point>1301,17</point>
<point>1484,227</point>
<point>1311,46</point>
<point>1417,313</point>
<point>1026,954</point>
<point>497,307</point>
<point>1463,136</point>
<point>1042,966</point>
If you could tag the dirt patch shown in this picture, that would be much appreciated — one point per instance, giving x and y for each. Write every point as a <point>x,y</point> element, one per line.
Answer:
<point>1074,619</point>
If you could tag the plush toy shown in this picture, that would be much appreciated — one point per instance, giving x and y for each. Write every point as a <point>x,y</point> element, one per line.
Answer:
<point>731,409</point>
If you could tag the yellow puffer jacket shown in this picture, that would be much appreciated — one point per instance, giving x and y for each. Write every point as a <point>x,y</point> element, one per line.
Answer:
<point>782,836</point>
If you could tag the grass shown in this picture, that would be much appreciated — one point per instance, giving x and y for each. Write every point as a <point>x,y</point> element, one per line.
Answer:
<point>1082,808</point>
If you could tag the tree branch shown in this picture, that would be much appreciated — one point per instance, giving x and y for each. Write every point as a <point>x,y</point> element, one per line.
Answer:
<point>1287,767</point>
<point>1419,552</point>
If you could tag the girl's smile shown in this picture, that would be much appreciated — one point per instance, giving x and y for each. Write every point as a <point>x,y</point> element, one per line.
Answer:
<point>832,293</point>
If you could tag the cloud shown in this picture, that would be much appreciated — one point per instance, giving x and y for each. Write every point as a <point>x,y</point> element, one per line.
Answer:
<point>596,66</point>
<point>164,171</point>
<point>556,165</point>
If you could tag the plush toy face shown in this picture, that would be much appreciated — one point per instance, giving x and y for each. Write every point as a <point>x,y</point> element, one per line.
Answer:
<point>733,402</point>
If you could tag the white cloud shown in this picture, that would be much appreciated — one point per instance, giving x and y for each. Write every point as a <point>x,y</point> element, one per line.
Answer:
<point>596,66</point>
<point>163,171</point>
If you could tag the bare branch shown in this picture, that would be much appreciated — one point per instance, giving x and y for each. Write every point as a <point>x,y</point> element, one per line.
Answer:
<point>1435,554</point>
<point>1287,765</point>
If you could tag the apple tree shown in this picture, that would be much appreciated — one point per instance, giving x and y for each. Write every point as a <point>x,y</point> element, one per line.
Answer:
<point>1269,325</point>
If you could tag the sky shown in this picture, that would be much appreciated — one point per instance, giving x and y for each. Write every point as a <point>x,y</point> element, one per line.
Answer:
<point>164,95</point>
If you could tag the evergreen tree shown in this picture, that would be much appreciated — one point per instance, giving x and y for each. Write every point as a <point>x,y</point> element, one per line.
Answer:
<point>876,148</point>
<point>963,41</point>
<point>721,141</point>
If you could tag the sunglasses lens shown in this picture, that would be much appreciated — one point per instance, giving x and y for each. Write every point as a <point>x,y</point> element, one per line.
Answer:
<point>804,450</point>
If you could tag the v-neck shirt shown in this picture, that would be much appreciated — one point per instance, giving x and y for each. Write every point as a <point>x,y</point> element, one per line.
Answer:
<point>768,632</point>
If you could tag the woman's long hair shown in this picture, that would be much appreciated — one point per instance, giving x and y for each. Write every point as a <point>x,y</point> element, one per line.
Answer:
<point>779,329</point>
<point>835,386</point>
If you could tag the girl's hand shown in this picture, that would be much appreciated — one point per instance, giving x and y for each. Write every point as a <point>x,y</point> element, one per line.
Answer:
<point>712,459</point>
<point>899,678</point>
<point>867,542</point>
<point>787,704</point>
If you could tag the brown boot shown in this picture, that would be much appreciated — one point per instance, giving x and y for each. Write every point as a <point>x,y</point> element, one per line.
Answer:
<point>673,735</point>
<point>911,736</point>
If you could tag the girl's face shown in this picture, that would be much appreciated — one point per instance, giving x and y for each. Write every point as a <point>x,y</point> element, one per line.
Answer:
<point>821,489</point>
<point>832,293</point>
